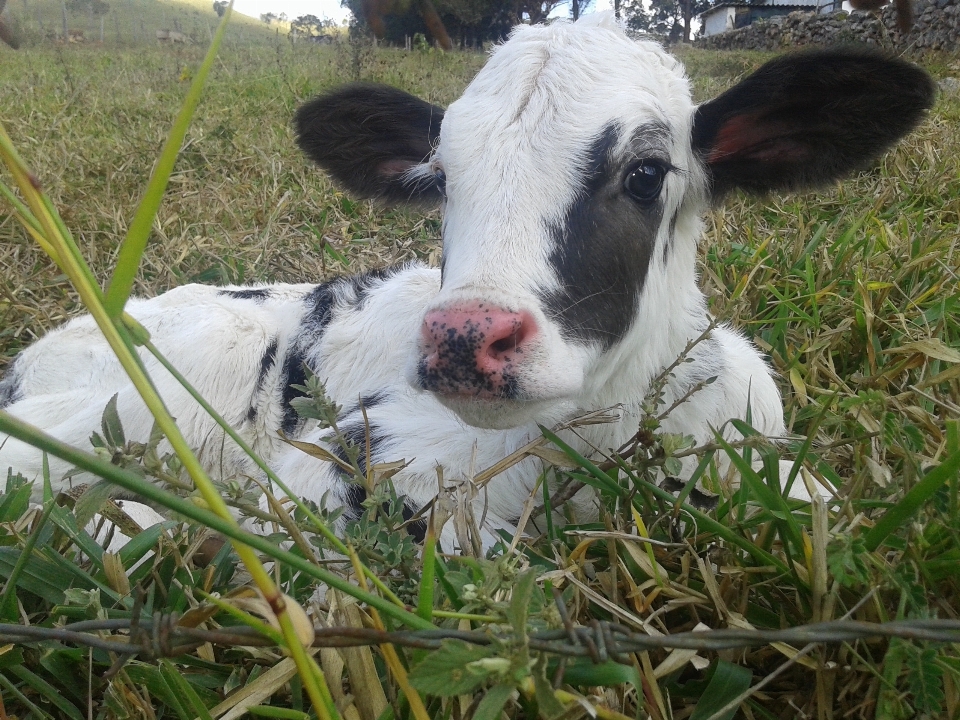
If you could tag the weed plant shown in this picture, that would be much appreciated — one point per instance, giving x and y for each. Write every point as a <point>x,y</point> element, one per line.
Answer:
<point>853,292</point>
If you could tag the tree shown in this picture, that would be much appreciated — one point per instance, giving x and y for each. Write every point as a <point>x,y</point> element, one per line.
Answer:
<point>469,22</point>
<point>268,17</point>
<point>311,26</point>
<point>671,19</point>
<point>577,7</point>
<point>220,7</point>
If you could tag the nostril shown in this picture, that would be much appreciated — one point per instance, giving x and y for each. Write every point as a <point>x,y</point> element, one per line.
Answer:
<point>506,344</point>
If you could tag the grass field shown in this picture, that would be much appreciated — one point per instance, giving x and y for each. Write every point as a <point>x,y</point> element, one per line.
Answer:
<point>853,292</point>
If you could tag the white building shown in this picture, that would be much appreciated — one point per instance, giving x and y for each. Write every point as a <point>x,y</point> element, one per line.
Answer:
<point>732,15</point>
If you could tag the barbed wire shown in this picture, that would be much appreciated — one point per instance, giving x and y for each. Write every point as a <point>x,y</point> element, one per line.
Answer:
<point>162,636</point>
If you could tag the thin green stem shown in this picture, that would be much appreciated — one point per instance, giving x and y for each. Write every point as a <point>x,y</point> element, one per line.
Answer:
<point>318,523</point>
<point>20,430</point>
<point>134,244</point>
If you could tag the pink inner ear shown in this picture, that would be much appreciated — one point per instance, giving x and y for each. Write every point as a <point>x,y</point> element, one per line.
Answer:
<point>394,167</point>
<point>749,137</point>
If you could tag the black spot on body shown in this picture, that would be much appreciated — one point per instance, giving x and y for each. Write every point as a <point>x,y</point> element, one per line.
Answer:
<point>355,433</point>
<point>256,294</point>
<point>697,498</point>
<point>354,497</point>
<point>319,302</point>
<point>349,291</point>
<point>373,399</point>
<point>418,529</point>
<point>602,249</point>
<point>294,373</point>
<point>362,284</point>
<point>267,362</point>
<point>367,402</point>
<point>10,390</point>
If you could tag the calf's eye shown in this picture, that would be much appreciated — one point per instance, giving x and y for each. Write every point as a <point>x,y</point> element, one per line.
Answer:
<point>645,181</point>
<point>441,178</point>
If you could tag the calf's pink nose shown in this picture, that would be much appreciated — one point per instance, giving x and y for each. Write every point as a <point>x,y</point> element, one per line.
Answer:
<point>473,349</point>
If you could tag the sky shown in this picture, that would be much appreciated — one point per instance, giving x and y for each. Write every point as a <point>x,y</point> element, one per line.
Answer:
<point>332,9</point>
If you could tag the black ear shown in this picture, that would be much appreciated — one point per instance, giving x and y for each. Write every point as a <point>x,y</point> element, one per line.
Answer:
<point>368,136</point>
<point>807,119</point>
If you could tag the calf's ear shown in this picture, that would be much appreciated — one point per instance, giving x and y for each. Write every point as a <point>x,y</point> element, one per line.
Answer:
<point>368,136</point>
<point>807,119</point>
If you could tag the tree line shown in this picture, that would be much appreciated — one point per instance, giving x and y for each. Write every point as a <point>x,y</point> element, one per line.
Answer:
<point>470,23</point>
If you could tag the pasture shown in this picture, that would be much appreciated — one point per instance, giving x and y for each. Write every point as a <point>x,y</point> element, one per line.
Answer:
<point>853,292</point>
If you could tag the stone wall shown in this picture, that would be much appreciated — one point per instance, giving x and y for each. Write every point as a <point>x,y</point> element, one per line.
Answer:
<point>936,27</point>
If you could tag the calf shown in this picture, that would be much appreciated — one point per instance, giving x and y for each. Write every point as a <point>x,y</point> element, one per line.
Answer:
<point>573,173</point>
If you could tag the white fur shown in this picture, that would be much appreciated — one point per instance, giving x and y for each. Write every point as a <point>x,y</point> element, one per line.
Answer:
<point>508,147</point>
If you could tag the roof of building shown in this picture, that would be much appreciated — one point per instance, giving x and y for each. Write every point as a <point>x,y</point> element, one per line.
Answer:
<point>781,4</point>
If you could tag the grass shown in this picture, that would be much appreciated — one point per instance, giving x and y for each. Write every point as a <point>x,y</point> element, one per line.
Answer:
<point>853,292</point>
<point>132,23</point>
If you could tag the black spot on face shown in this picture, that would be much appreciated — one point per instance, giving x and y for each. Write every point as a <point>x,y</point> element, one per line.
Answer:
<point>673,233</point>
<point>256,294</point>
<point>602,249</point>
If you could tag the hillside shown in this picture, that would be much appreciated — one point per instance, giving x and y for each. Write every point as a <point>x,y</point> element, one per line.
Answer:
<point>129,22</point>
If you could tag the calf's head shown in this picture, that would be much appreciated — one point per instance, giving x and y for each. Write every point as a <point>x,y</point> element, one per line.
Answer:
<point>573,172</point>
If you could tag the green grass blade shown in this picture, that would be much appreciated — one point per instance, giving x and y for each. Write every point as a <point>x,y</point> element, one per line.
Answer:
<point>47,691</point>
<point>596,473</point>
<point>15,692</point>
<point>183,691</point>
<point>953,445</point>
<point>8,599</point>
<point>130,481</point>
<point>38,577</point>
<point>727,681</point>
<point>272,712</point>
<point>317,523</point>
<point>138,546</point>
<point>705,522</point>
<point>128,259</point>
<point>425,601</point>
<point>921,492</point>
